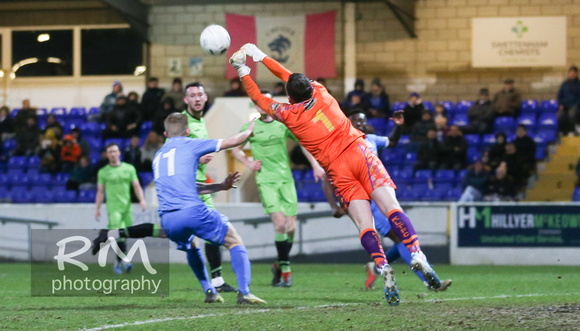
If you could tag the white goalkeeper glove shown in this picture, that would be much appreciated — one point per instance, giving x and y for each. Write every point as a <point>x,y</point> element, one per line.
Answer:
<point>238,61</point>
<point>253,51</point>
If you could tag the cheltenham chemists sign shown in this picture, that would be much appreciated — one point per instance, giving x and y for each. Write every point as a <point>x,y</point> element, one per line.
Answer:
<point>518,42</point>
<point>518,226</point>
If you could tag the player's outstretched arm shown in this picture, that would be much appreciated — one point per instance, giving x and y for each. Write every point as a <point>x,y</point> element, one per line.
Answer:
<point>274,66</point>
<point>399,120</point>
<point>238,138</point>
<point>227,184</point>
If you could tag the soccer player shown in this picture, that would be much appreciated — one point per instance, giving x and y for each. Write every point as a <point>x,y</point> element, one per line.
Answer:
<point>316,120</point>
<point>195,99</point>
<point>116,180</point>
<point>276,186</point>
<point>383,225</point>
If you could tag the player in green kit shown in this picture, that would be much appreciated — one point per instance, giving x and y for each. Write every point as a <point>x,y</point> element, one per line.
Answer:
<point>116,179</point>
<point>275,184</point>
<point>195,100</point>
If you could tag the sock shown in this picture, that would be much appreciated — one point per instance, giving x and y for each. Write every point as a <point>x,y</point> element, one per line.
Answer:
<point>372,244</point>
<point>290,241</point>
<point>242,268</point>
<point>403,228</point>
<point>214,258</point>
<point>406,255</point>
<point>282,247</point>
<point>139,231</point>
<point>393,253</point>
<point>122,243</point>
<point>197,265</point>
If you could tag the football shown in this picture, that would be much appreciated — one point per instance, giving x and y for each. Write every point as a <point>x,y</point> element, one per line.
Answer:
<point>214,39</point>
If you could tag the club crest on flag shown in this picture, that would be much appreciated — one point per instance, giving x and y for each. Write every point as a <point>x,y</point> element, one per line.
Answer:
<point>279,47</point>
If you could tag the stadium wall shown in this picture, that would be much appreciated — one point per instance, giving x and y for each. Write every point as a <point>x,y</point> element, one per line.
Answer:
<point>437,63</point>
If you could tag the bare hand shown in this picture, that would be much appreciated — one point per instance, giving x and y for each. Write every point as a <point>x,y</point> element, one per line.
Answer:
<point>398,118</point>
<point>143,205</point>
<point>98,215</point>
<point>256,165</point>
<point>319,173</point>
<point>131,126</point>
<point>230,180</point>
<point>205,159</point>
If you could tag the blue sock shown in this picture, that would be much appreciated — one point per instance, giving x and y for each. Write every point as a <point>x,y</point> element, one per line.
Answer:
<point>242,268</point>
<point>406,255</point>
<point>393,254</point>
<point>197,264</point>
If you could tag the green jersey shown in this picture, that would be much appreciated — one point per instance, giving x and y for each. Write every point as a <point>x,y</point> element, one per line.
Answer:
<point>268,144</point>
<point>197,130</point>
<point>117,181</point>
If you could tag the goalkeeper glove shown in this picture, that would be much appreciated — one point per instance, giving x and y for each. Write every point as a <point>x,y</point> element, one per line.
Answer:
<point>238,61</point>
<point>253,51</point>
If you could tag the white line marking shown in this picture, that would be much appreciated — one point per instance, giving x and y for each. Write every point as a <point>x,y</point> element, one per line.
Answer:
<point>502,296</point>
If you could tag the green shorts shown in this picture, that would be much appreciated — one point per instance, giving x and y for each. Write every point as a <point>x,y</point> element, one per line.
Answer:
<point>120,220</point>
<point>208,200</point>
<point>279,197</point>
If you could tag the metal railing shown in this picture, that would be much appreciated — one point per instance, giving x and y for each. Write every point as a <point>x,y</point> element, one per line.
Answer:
<point>28,223</point>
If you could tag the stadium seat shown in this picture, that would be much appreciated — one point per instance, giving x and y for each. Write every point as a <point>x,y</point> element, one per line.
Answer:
<point>14,111</point>
<point>448,105</point>
<point>549,135</point>
<point>95,145</point>
<point>432,195</point>
<point>504,123</point>
<point>23,197</point>
<point>529,107</point>
<point>146,127</point>
<point>60,180</point>
<point>90,128</point>
<point>473,154</point>
<point>444,176</point>
<point>15,171</point>
<point>453,194</point>
<point>410,158</point>
<point>445,186</point>
<point>93,110</point>
<point>33,162</point>
<point>64,196</point>
<point>540,153</point>
<point>409,195</point>
<point>404,140</point>
<point>529,120</point>
<point>548,121</point>
<point>59,112</point>
<point>576,194</point>
<point>463,106</point>
<point>460,119</point>
<point>473,140</point>
<point>315,193</point>
<point>399,106</point>
<point>71,124</point>
<point>17,162</point>
<point>15,189</point>
<point>422,176</point>
<point>549,106</point>
<point>78,113</point>
<point>146,178</point>
<point>40,180</point>
<point>5,195</point>
<point>8,146</point>
<point>41,113</point>
<point>5,181</point>
<point>392,157</point>
<point>297,175</point>
<point>488,139</point>
<point>403,176</point>
<point>428,105</point>
<point>461,173</point>
<point>308,175</point>
<point>87,196</point>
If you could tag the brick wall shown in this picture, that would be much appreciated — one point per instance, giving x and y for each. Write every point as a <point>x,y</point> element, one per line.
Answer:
<point>437,63</point>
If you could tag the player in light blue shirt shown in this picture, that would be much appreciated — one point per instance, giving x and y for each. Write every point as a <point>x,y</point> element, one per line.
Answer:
<point>183,213</point>
<point>382,223</point>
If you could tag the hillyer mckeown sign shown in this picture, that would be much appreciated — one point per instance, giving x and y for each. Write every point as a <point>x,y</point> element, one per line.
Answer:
<point>518,42</point>
<point>518,226</point>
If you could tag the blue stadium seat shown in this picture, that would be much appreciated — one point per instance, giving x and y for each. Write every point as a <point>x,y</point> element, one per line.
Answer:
<point>453,194</point>
<point>40,180</point>
<point>409,195</point>
<point>5,195</point>
<point>15,171</point>
<point>433,195</point>
<point>444,176</point>
<point>8,146</point>
<point>379,124</point>
<point>461,173</point>
<point>146,178</point>
<point>90,128</point>
<point>87,196</point>
<point>33,162</point>
<point>473,154</point>
<point>71,124</point>
<point>315,192</point>
<point>18,162</point>
<point>422,176</point>
<point>93,110</point>
<point>460,119</point>
<point>78,113</point>
<point>59,112</point>
<point>146,127</point>
<point>41,113</point>
<point>549,106</point>
<point>14,111</point>
<point>504,123</point>
<point>548,121</point>
<point>15,189</point>
<point>529,120</point>
<point>307,174</point>
<point>445,186</point>
<point>410,158</point>
<point>428,105</point>
<point>59,180</point>
<point>420,187</point>
<point>95,145</point>
<point>448,105</point>
<point>529,107</point>
<point>399,106</point>
<point>391,156</point>
<point>5,181</point>
<point>540,153</point>
<point>549,135</point>
<point>297,175</point>
<point>488,139</point>
<point>576,194</point>
<point>473,140</point>
<point>23,197</point>
<point>463,106</point>
<point>402,176</point>
<point>404,140</point>
<point>64,196</point>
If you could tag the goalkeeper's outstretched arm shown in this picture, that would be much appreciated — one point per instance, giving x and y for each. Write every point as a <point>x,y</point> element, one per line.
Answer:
<point>274,66</point>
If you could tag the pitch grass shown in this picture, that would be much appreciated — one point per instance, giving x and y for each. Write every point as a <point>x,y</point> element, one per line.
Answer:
<point>324,297</point>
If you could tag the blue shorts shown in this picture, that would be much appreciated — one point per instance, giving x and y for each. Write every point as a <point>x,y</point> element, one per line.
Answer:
<point>382,223</point>
<point>181,226</point>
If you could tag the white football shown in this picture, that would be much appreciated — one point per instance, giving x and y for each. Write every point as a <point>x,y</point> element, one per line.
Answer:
<point>214,39</point>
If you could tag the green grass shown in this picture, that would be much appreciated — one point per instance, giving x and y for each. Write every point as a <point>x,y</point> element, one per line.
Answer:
<point>324,297</point>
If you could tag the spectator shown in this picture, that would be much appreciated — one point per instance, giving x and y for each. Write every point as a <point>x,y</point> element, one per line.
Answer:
<point>480,114</point>
<point>132,153</point>
<point>176,94</point>
<point>69,153</point>
<point>355,97</point>
<point>496,152</point>
<point>109,102</point>
<point>454,150</point>
<point>151,99</point>
<point>421,128</point>
<point>501,186</point>
<point>165,110</point>
<point>152,144</point>
<point>413,111</point>
<point>376,102</point>
<point>568,101</point>
<point>133,97</point>
<point>526,148</point>
<point>279,90</point>
<point>21,119</point>
<point>54,125</point>
<point>474,182</point>
<point>440,111</point>
<point>508,101</point>
<point>28,139</point>
<point>236,89</point>
<point>442,128</point>
<point>515,167</point>
<point>82,176</point>
<point>6,124</point>
<point>83,143</point>
<point>123,121</point>
<point>49,153</point>
<point>428,153</point>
